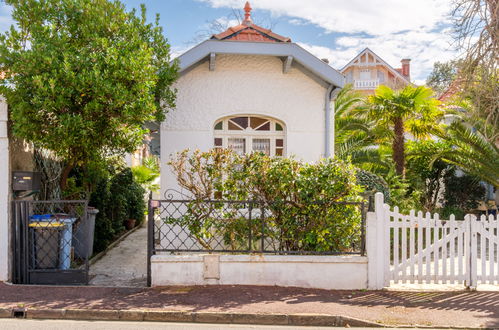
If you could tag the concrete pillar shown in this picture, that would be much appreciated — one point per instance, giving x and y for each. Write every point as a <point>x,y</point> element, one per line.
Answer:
<point>4,194</point>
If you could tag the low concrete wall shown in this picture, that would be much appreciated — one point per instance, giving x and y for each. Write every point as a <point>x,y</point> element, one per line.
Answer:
<point>323,272</point>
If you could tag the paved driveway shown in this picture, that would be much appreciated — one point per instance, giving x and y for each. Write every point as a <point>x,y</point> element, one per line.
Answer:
<point>125,265</point>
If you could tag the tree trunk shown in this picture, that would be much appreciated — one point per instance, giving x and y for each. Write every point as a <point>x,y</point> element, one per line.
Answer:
<point>65,175</point>
<point>399,146</point>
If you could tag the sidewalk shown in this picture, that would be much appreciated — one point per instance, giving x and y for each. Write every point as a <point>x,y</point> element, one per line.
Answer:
<point>212,303</point>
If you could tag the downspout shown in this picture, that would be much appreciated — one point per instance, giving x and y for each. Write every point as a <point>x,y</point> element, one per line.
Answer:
<point>331,93</point>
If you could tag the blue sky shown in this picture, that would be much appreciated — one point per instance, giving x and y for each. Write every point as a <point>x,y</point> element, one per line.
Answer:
<point>333,29</point>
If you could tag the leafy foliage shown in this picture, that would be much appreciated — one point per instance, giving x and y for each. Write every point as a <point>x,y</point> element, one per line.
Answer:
<point>372,183</point>
<point>82,77</point>
<point>462,193</point>
<point>425,173</point>
<point>299,198</point>
<point>147,174</point>
<point>412,110</point>
<point>472,152</point>
<point>118,198</point>
<point>442,75</point>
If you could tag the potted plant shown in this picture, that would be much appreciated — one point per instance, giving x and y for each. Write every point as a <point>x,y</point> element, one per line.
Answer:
<point>130,223</point>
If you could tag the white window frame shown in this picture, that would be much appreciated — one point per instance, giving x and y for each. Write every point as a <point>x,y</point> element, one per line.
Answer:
<point>249,134</point>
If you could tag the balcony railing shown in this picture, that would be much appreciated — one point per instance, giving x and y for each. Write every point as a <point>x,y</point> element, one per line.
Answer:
<point>366,84</point>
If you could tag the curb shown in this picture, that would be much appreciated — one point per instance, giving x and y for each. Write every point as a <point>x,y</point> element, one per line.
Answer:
<point>184,316</point>
<point>317,320</point>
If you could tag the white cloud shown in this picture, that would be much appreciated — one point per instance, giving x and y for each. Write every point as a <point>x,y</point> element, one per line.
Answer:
<point>394,29</point>
<point>423,48</point>
<point>376,17</point>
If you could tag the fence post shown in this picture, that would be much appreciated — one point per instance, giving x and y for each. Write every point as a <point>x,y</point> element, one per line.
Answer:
<point>473,276</point>
<point>376,227</point>
<point>150,237</point>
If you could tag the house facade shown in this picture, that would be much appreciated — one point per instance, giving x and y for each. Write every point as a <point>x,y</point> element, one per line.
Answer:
<point>250,89</point>
<point>367,71</point>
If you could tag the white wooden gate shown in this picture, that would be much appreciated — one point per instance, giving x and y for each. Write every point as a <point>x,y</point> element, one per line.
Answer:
<point>422,248</point>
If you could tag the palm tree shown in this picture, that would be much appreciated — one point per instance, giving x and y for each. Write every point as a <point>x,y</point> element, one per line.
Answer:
<point>472,151</point>
<point>411,110</point>
<point>358,138</point>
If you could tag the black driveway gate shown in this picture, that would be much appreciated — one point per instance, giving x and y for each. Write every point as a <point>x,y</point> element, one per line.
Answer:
<point>49,242</point>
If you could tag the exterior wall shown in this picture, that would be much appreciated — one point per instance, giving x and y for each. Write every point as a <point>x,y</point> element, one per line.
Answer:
<point>4,193</point>
<point>323,272</point>
<point>21,155</point>
<point>246,85</point>
<point>390,80</point>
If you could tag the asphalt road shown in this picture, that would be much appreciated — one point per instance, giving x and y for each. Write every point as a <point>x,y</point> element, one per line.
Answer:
<point>17,324</point>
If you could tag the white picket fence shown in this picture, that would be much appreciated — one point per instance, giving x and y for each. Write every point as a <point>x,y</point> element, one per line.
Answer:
<point>422,248</point>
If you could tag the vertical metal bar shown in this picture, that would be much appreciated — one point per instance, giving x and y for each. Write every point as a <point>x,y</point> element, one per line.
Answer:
<point>150,237</point>
<point>87,267</point>
<point>262,218</point>
<point>250,238</point>
<point>363,230</point>
<point>15,244</point>
<point>26,245</point>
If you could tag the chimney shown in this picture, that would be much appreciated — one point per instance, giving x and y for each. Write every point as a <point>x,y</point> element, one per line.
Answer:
<point>406,67</point>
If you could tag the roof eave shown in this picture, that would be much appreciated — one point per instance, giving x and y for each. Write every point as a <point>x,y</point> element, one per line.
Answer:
<point>309,61</point>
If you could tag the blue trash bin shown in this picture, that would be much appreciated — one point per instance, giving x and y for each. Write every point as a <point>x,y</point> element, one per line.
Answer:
<point>52,240</point>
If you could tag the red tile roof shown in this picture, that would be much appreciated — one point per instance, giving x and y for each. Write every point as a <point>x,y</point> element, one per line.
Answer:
<point>247,31</point>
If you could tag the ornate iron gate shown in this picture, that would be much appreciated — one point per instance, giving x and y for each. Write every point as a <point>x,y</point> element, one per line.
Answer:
<point>49,242</point>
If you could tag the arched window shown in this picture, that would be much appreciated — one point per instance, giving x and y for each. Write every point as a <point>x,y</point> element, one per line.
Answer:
<point>245,134</point>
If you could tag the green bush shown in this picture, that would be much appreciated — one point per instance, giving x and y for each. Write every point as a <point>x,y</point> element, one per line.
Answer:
<point>299,200</point>
<point>372,183</point>
<point>118,198</point>
<point>463,193</point>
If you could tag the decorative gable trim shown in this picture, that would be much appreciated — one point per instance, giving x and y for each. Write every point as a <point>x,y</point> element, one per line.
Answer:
<point>377,61</point>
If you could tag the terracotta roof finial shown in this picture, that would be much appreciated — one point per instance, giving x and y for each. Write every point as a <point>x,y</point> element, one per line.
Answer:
<point>247,13</point>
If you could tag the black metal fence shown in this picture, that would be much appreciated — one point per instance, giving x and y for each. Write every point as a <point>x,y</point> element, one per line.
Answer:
<point>319,228</point>
<point>50,243</point>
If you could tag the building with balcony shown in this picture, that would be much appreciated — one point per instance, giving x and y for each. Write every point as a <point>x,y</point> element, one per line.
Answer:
<point>367,71</point>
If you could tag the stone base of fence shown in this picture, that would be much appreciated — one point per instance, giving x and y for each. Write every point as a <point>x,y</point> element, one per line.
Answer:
<point>322,272</point>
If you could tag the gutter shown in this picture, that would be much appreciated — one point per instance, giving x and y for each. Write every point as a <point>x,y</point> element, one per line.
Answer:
<point>331,94</point>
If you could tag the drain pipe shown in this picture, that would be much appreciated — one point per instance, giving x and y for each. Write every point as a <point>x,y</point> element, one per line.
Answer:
<point>331,94</point>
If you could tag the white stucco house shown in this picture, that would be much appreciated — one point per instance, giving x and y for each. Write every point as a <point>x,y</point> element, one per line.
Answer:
<point>250,89</point>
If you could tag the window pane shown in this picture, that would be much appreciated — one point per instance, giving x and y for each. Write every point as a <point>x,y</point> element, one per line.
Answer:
<point>238,145</point>
<point>234,127</point>
<point>219,125</point>
<point>257,121</point>
<point>241,121</point>
<point>278,152</point>
<point>218,142</point>
<point>262,145</point>
<point>278,127</point>
<point>279,142</point>
<point>264,127</point>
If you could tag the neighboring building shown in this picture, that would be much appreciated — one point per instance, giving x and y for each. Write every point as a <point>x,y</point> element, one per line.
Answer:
<point>367,71</point>
<point>249,89</point>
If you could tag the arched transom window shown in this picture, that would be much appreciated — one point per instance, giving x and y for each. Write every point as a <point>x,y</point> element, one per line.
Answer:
<point>245,134</point>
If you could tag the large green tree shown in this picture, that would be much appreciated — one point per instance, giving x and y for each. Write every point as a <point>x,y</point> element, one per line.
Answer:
<point>441,76</point>
<point>82,77</point>
<point>411,110</point>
